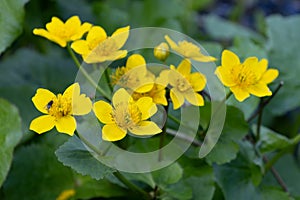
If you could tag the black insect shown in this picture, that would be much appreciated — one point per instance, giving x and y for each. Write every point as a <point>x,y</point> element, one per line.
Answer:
<point>48,106</point>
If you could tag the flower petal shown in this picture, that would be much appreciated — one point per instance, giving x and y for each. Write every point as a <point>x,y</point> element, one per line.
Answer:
<point>184,67</point>
<point>103,112</point>
<point>121,96</point>
<point>42,124</point>
<point>197,81</point>
<point>121,36</point>
<point>269,76</point>
<point>145,128</point>
<point>173,77</point>
<point>239,93</point>
<point>135,60</point>
<point>259,90</point>
<point>112,133</point>
<point>66,124</point>
<point>81,47</point>
<point>172,44</point>
<point>261,67</point>
<point>49,36</point>
<point>194,98</point>
<point>81,105</point>
<point>225,76</point>
<point>42,98</point>
<point>229,59</point>
<point>204,58</point>
<point>54,25</point>
<point>163,79</point>
<point>72,91</point>
<point>177,98</point>
<point>96,35</point>
<point>146,107</point>
<point>73,23</point>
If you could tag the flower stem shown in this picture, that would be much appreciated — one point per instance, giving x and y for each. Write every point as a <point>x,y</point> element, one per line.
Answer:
<point>131,186</point>
<point>86,75</point>
<point>261,106</point>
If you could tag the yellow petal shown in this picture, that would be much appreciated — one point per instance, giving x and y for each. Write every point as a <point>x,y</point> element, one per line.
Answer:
<point>81,47</point>
<point>229,59</point>
<point>225,76</point>
<point>177,98</point>
<point>163,79</point>
<point>121,36</point>
<point>172,44</point>
<point>121,97</point>
<point>261,67</point>
<point>112,133</point>
<point>251,62</point>
<point>194,98</point>
<point>73,23</point>
<point>81,105</point>
<point>103,112</point>
<point>146,107</point>
<point>96,35</point>
<point>146,87</point>
<point>96,57</point>
<point>239,93</point>
<point>85,27</point>
<point>173,77</point>
<point>197,81</point>
<point>42,98</point>
<point>49,36</point>
<point>66,124</point>
<point>269,76</point>
<point>204,58</point>
<point>145,128</point>
<point>160,96</point>
<point>135,60</point>
<point>42,124</point>
<point>72,91</point>
<point>54,25</point>
<point>184,67</point>
<point>259,90</point>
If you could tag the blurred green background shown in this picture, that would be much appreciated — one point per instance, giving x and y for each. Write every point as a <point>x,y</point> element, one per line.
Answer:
<point>266,29</point>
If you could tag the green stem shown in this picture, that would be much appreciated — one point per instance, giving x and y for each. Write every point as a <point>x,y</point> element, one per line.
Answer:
<point>174,119</point>
<point>228,95</point>
<point>86,75</point>
<point>275,158</point>
<point>131,186</point>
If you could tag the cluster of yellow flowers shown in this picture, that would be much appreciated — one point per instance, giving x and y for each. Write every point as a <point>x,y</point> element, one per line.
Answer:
<point>139,90</point>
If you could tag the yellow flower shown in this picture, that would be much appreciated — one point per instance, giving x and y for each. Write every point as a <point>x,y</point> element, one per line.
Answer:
<point>189,50</point>
<point>185,84</point>
<point>134,76</point>
<point>66,194</point>
<point>126,115</point>
<point>161,52</point>
<point>243,79</point>
<point>157,93</point>
<point>61,33</point>
<point>59,109</point>
<point>98,47</point>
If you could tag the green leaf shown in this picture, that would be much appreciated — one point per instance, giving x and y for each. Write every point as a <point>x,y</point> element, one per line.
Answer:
<point>75,155</point>
<point>10,135</point>
<point>88,188</point>
<point>235,128</point>
<point>37,174</point>
<point>238,178</point>
<point>283,48</point>
<point>274,194</point>
<point>179,190</point>
<point>168,175</point>
<point>222,29</point>
<point>143,177</point>
<point>11,19</point>
<point>270,140</point>
<point>199,177</point>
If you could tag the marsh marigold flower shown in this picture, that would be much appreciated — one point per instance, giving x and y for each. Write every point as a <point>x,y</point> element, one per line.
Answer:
<point>249,77</point>
<point>98,47</point>
<point>134,76</point>
<point>59,109</point>
<point>189,50</point>
<point>161,52</point>
<point>61,33</point>
<point>157,93</point>
<point>185,84</point>
<point>126,115</point>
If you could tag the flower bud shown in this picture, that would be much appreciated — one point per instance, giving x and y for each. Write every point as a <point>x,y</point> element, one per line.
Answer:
<point>161,52</point>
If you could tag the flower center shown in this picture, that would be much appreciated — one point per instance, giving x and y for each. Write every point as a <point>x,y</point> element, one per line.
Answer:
<point>127,116</point>
<point>59,107</point>
<point>183,84</point>
<point>246,76</point>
